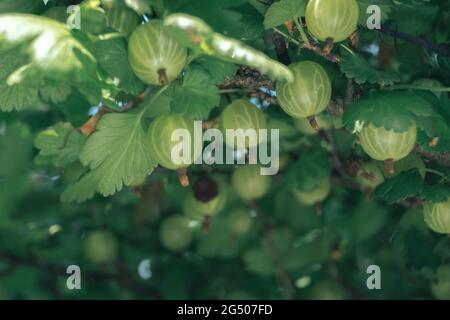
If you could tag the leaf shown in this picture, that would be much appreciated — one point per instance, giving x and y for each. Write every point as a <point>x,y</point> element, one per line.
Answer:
<point>25,6</point>
<point>62,143</point>
<point>414,16</point>
<point>200,37</point>
<point>393,110</point>
<point>436,127</point>
<point>197,96</point>
<point>55,93</point>
<point>251,21</point>
<point>52,51</point>
<point>384,5</point>
<point>112,56</point>
<point>368,219</point>
<point>222,15</point>
<point>118,152</point>
<point>356,67</point>
<point>159,105</point>
<point>435,193</point>
<point>218,70</point>
<point>283,11</point>
<point>82,190</point>
<point>14,96</point>
<point>404,185</point>
<point>310,170</point>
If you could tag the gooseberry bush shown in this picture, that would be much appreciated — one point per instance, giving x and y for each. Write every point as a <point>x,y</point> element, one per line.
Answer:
<point>87,176</point>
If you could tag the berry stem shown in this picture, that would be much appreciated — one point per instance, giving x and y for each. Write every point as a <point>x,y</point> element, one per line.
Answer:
<point>313,122</point>
<point>329,44</point>
<point>366,175</point>
<point>162,76</point>
<point>303,35</point>
<point>206,225</point>
<point>183,177</point>
<point>389,166</point>
<point>318,208</point>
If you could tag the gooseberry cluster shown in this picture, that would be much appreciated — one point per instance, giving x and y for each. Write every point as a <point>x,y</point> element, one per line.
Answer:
<point>158,59</point>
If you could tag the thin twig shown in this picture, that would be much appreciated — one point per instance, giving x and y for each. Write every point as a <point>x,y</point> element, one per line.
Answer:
<point>308,46</point>
<point>349,92</point>
<point>419,41</point>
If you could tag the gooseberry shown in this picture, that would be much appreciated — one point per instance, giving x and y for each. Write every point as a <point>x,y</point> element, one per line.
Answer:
<point>154,55</point>
<point>248,182</point>
<point>308,95</point>
<point>332,19</point>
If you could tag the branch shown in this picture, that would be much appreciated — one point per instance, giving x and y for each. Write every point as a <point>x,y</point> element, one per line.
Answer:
<point>248,78</point>
<point>312,47</point>
<point>441,158</point>
<point>419,41</point>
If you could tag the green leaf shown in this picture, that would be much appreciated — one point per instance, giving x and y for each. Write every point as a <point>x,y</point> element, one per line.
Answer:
<point>52,51</point>
<point>118,152</point>
<point>14,96</point>
<point>393,110</point>
<point>414,16</point>
<point>156,106</point>
<point>356,67</point>
<point>404,185</point>
<point>384,5</point>
<point>251,21</point>
<point>368,219</point>
<point>313,166</point>
<point>112,56</point>
<point>82,190</point>
<point>197,96</point>
<point>200,37</point>
<point>55,93</point>
<point>62,143</point>
<point>218,70</point>
<point>25,6</point>
<point>283,11</point>
<point>436,193</point>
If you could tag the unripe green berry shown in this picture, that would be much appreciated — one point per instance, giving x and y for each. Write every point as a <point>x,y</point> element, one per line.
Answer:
<point>437,216</point>
<point>175,234</point>
<point>319,194</point>
<point>154,55</point>
<point>160,138</point>
<point>243,115</point>
<point>370,175</point>
<point>100,247</point>
<point>249,183</point>
<point>381,144</point>
<point>122,19</point>
<point>332,19</point>
<point>198,210</point>
<point>309,94</point>
<point>239,221</point>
